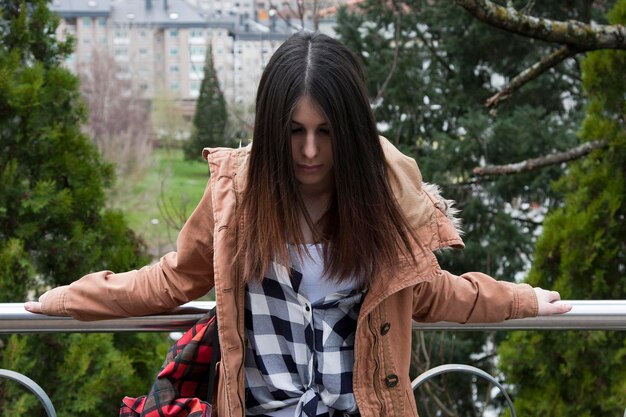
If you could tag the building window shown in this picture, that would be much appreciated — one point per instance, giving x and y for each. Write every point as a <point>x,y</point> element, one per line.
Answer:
<point>173,33</point>
<point>142,33</point>
<point>174,51</point>
<point>121,52</point>
<point>121,33</point>
<point>174,68</point>
<point>102,22</point>
<point>124,69</point>
<point>143,51</point>
<point>194,89</point>
<point>197,51</point>
<point>196,33</point>
<point>174,86</point>
<point>197,70</point>
<point>86,21</point>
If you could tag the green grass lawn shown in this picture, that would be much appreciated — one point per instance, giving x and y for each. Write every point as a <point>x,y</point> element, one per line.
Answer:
<point>157,201</point>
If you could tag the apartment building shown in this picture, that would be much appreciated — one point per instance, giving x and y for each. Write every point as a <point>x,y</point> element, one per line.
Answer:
<point>220,8</point>
<point>161,45</point>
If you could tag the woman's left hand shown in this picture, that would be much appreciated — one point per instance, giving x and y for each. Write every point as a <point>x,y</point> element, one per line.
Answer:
<point>33,307</point>
<point>546,299</point>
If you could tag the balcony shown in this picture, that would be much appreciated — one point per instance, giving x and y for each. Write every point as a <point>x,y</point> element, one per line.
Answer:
<point>585,315</point>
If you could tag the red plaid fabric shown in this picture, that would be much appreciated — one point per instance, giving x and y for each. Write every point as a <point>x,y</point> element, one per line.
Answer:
<point>182,385</point>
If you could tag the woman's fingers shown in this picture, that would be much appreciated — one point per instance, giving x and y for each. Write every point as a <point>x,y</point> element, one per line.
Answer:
<point>546,302</point>
<point>33,307</point>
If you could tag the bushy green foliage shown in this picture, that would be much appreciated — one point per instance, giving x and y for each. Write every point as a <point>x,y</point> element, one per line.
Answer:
<point>211,117</point>
<point>83,374</point>
<point>582,254</point>
<point>53,227</point>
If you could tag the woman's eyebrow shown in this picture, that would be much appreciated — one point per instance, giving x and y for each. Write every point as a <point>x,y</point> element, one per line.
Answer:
<point>325,124</point>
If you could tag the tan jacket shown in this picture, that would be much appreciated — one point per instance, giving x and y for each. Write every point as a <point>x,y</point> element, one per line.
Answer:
<point>204,259</point>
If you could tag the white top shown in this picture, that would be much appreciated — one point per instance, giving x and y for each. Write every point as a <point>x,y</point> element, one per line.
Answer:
<point>315,284</point>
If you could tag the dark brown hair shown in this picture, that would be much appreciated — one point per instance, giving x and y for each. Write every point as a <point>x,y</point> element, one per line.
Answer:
<point>364,230</point>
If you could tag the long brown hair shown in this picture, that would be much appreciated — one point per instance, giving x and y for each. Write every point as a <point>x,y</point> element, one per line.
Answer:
<point>364,230</point>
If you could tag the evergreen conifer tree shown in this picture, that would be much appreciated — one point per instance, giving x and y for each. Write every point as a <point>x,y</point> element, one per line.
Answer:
<point>582,254</point>
<point>53,225</point>
<point>211,117</point>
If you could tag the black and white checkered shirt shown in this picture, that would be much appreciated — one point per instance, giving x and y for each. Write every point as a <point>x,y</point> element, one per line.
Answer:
<point>299,352</point>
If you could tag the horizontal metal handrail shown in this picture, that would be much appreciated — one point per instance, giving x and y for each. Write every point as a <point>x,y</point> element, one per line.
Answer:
<point>585,315</point>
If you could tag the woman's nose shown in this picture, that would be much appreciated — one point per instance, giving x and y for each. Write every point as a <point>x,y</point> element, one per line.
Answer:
<point>310,148</point>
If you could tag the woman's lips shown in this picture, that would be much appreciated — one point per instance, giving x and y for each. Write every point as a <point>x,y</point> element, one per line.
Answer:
<point>309,169</point>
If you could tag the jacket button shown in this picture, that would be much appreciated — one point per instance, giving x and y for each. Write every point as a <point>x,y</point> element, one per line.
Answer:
<point>384,329</point>
<point>391,380</point>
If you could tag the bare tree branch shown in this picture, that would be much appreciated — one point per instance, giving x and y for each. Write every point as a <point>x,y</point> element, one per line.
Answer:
<point>433,52</point>
<point>435,390</point>
<point>530,74</point>
<point>394,62</point>
<point>301,11</point>
<point>540,162</point>
<point>245,123</point>
<point>577,34</point>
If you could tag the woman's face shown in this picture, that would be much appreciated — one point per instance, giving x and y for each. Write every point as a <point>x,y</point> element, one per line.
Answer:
<point>311,148</point>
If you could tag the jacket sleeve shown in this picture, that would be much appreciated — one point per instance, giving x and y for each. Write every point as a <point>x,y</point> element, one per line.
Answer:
<point>471,297</point>
<point>177,278</point>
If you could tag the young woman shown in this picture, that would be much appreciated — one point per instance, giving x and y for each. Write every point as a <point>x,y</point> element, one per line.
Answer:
<point>318,239</point>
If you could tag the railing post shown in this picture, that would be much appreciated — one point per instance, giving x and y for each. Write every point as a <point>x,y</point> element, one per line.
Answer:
<point>464,369</point>
<point>33,387</point>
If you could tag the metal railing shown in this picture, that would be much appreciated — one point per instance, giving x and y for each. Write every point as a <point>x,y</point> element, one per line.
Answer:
<point>585,315</point>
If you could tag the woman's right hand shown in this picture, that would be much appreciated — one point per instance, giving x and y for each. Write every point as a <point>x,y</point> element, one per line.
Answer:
<point>47,302</point>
